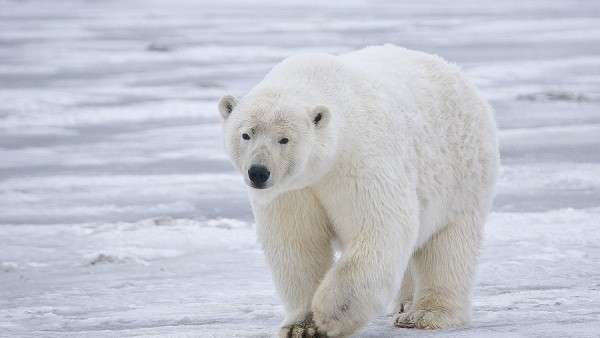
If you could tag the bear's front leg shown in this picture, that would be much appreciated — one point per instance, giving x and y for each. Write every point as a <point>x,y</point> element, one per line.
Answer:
<point>296,238</point>
<point>378,241</point>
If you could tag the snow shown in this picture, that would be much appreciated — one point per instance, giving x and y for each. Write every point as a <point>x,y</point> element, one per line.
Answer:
<point>121,216</point>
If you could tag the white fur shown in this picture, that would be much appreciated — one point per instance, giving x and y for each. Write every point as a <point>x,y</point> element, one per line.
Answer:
<point>399,171</point>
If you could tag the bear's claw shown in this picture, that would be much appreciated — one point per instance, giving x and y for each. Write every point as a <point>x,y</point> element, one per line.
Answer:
<point>305,329</point>
<point>427,320</point>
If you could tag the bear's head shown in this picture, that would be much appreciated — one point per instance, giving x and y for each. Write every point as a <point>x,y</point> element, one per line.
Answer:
<point>277,145</point>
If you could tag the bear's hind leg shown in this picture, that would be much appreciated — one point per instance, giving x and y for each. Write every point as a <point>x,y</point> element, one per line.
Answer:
<point>443,271</point>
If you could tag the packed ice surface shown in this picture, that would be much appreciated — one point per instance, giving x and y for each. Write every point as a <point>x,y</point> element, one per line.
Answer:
<point>121,216</point>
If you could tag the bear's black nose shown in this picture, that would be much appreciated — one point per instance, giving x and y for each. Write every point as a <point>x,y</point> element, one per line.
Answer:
<point>258,175</point>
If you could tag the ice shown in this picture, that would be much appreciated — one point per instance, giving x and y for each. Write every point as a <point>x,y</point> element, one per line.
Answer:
<point>121,216</point>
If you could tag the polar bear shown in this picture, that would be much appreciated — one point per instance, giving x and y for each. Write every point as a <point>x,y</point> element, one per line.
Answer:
<point>384,155</point>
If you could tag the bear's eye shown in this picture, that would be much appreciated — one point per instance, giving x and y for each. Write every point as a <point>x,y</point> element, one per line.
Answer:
<point>245,136</point>
<point>284,140</point>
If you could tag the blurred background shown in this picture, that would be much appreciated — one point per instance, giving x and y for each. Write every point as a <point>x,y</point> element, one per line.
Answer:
<point>120,214</point>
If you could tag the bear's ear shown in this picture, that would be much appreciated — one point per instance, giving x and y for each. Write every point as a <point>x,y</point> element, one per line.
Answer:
<point>226,105</point>
<point>319,116</point>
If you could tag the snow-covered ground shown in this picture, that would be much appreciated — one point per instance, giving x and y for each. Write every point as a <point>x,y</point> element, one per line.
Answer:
<point>120,215</point>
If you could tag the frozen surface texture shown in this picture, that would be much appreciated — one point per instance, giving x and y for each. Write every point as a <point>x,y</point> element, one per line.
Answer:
<point>120,215</point>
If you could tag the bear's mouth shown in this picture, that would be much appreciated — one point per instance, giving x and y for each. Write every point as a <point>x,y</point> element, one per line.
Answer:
<point>259,186</point>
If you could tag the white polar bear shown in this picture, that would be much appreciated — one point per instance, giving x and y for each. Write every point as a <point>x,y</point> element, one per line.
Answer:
<point>390,154</point>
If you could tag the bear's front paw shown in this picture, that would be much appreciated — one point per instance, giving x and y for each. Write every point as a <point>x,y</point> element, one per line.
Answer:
<point>337,314</point>
<point>302,329</point>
